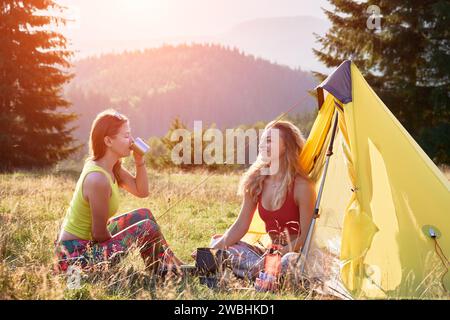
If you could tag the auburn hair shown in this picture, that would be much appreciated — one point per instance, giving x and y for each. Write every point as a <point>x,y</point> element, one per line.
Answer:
<point>106,124</point>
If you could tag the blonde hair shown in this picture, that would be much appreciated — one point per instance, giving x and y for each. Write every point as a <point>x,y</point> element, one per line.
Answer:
<point>253,179</point>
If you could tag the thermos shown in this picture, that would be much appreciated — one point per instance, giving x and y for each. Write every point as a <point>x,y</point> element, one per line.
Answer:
<point>268,280</point>
<point>139,146</point>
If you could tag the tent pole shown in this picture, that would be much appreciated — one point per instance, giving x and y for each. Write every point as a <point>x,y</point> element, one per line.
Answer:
<point>306,246</point>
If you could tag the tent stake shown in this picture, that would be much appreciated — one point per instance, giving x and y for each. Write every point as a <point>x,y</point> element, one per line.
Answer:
<point>306,246</point>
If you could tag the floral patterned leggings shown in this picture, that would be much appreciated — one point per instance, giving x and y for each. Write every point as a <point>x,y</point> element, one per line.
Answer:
<point>137,227</point>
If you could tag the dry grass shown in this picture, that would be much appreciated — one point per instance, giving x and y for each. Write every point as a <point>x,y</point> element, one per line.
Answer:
<point>32,206</point>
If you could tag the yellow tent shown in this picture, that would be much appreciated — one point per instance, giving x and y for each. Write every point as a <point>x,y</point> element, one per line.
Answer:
<point>382,196</point>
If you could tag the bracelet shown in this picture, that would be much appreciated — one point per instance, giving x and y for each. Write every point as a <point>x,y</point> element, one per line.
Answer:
<point>140,164</point>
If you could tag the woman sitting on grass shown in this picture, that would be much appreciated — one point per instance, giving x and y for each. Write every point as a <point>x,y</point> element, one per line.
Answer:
<point>285,201</point>
<point>91,232</point>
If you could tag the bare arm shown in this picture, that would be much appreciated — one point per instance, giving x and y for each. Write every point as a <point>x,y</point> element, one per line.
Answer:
<point>240,227</point>
<point>97,191</point>
<point>136,185</point>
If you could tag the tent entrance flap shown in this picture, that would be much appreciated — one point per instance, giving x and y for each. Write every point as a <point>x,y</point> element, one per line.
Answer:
<point>306,246</point>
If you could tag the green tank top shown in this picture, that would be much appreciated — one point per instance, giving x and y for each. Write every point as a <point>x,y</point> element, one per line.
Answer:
<point>78,220</point>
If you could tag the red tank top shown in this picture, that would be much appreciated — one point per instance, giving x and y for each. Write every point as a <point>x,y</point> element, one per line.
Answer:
<point>285,218</point>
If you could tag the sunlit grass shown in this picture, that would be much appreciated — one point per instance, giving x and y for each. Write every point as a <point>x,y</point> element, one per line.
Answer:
<point>32,206</point>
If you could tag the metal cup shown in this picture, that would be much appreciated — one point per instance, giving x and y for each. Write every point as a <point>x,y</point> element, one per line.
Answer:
<point>139,146</point>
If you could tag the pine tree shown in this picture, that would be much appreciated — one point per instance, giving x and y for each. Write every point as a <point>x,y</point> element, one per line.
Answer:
<point>406,61</point>
<point>34,65</point>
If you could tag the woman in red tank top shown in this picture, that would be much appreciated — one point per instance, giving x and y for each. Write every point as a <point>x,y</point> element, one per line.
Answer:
<point>279,188</point>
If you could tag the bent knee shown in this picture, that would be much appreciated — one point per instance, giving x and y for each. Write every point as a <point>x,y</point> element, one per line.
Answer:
<point>149,226</point>
<point>146,213</point>
<point>290,257</point>
<point>290,260</point>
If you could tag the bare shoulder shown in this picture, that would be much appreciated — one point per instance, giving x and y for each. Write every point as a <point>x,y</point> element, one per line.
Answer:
<point>303,187</point>
<point>95,181</point>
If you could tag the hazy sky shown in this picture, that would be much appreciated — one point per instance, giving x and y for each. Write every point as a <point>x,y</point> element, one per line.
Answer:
<point>137,19</point>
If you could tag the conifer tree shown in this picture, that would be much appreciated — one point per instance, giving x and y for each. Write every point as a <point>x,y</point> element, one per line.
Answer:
<point>34,66</point>
<point>406,61</point>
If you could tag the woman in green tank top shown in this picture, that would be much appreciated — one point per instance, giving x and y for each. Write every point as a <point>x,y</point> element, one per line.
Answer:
<point>91,231</point>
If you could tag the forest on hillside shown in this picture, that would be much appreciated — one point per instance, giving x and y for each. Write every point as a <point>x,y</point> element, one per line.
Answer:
<point>212,83</point>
